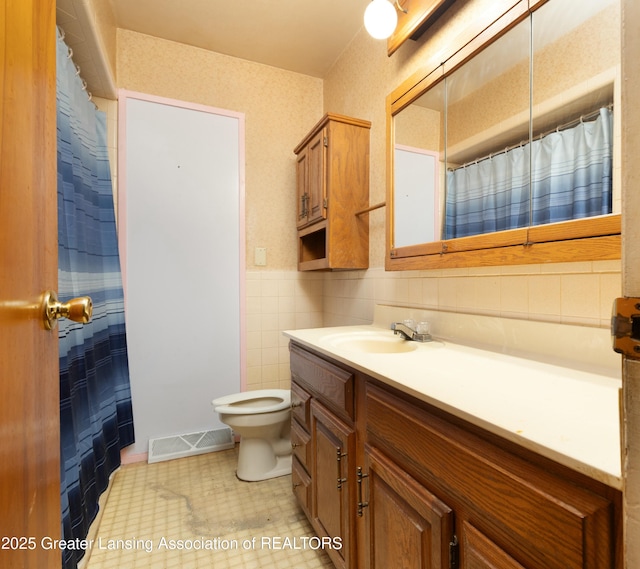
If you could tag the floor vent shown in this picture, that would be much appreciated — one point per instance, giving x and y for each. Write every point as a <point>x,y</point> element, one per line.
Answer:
<point>190,444</point>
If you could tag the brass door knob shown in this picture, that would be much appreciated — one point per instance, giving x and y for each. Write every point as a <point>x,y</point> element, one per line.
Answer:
<point>77,309</point>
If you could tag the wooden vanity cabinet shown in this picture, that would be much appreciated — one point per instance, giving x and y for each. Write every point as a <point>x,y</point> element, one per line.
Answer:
<point>512,509</point>
<point>332,181</point>
<point>407,485</point>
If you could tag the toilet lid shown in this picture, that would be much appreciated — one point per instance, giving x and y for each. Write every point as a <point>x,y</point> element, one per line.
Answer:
<point>253,402</point>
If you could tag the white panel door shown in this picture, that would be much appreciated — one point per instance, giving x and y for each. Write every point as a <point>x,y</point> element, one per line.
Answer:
<point>183,274</point>
<point>415,197</point>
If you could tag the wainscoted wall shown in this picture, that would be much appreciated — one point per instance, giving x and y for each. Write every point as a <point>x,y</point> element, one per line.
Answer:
<point>575,293</point>
<point>277,301</point>
<point>572,293</point>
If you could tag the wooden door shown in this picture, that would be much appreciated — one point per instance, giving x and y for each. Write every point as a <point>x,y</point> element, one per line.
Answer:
<point>332,485</point>
<point>29,373</point>
<point>480,552</point>
<point>408,527</point>
<point>302,195</point>
<point>317,176</point>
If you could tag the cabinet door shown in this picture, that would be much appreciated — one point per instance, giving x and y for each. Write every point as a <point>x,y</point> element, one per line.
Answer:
<point>408,527</point>
<point>302,207</point>
<point>301,485</point>
<point>479,552</point>
<point>300,444</point>
<point>332,481</point>
<point>317,178</point>
<point>527,511</point>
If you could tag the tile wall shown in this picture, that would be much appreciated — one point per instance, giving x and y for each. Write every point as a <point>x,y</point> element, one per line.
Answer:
<point>277,301</point>
<point>572,293</point>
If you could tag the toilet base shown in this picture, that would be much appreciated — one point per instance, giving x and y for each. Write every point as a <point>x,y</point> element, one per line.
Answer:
<point>260,459</point>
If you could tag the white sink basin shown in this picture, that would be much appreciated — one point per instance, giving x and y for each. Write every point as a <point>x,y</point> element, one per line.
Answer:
<point>377,345</point>
<point>373,343</point>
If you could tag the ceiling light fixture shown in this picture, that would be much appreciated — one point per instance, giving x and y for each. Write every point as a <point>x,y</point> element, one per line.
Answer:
<point>381,18</point>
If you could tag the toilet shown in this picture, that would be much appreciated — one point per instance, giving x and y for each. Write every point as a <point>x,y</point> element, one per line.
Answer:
<point>262,418</point>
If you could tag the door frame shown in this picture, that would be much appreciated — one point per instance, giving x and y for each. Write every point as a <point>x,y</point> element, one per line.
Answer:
<point>630,411</point>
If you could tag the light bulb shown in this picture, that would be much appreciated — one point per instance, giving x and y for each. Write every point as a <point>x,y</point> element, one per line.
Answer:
<point>380,19</point>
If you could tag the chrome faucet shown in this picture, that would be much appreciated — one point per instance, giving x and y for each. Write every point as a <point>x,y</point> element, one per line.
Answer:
<point>408,333</point>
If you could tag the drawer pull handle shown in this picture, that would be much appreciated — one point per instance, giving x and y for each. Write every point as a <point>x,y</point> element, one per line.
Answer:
<point>361,505</point>
<point>339,457</point>
<point>294,445</point>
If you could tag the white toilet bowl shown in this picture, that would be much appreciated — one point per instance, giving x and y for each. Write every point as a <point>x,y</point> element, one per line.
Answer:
<point>262,418</point>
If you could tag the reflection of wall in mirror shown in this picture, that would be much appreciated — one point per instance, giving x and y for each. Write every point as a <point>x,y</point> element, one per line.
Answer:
<point>582,52</point>
<point>488,98</point>
<point>420,127</point>
<point>565,67</point>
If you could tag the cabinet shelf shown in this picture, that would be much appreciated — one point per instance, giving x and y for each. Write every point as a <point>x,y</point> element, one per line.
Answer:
<point>312,248</point>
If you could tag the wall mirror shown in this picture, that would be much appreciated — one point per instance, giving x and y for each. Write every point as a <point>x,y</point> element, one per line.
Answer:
<point>506,153</point>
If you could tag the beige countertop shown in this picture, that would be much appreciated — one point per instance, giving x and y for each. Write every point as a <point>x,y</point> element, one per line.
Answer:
<point>566,414</point>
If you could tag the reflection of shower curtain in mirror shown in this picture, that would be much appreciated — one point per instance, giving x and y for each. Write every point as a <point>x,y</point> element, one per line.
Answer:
<point>571,179</point>
<point>95,402</point>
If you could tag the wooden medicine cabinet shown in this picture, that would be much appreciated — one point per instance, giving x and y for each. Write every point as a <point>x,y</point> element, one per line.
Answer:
<point>521,91</point>
<point>332,174</point>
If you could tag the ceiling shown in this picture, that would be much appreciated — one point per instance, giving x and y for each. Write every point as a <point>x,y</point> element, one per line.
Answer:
<point>304,36</point>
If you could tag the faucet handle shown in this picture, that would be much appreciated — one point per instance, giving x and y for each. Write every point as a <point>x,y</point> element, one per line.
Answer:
<point>410,323</point>
<point>423,328</point>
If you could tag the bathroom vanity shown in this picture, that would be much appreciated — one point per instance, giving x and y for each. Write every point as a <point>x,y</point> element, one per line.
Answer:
<point>446,455</point>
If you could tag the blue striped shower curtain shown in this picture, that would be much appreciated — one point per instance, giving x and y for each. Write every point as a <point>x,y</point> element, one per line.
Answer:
<point>489,195</point>
<point>571,178</point>
<point>96,419</point>
<point>572,174</point>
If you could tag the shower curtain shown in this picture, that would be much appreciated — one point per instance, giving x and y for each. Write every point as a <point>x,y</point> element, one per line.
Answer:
<point>490,195</point>
<point>571,178</point>
<point>96,419</point>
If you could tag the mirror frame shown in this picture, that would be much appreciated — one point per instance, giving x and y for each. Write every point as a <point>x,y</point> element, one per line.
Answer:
<point>589,239</point>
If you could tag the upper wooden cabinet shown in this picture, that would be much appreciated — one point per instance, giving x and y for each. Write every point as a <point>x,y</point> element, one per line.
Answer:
<point>414,17</point>
<point>332,188</point>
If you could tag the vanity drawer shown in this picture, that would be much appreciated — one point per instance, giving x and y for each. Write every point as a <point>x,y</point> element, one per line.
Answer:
<point>300,400</point>
<point>332,385</point>
<point>300,446</point>
<point>301,484</point>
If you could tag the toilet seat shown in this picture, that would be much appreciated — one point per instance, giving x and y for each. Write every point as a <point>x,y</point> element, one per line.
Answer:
<point>249,402</point>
